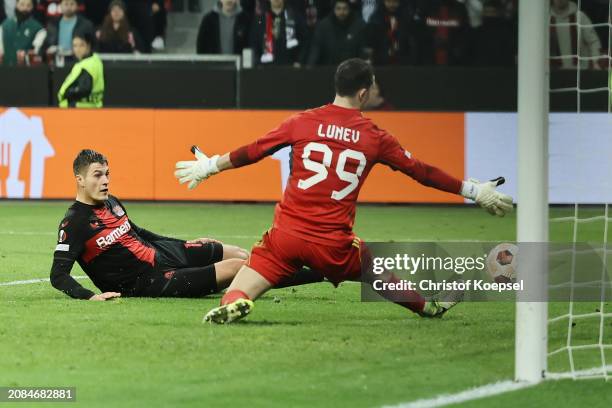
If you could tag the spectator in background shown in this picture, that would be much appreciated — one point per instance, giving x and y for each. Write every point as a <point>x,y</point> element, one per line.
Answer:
<point>84,85</point>
<point>312,10</point>
<point>115,34</point>
<point>62,30</point>
<point>368,7</point>
<point>338,37</point>
<point>564,39</point>
<point>224,30</point>
<point>495,29</point>
<point>389,34</point>
<point>278,36</point>
<point>600,13</point>
<point>20,33</point>
<point>148,19</point>
<point>50,10</point>
<point>140,14</point>
<point>376,100</point>
<point>160,21</point>
<point>442,32</point>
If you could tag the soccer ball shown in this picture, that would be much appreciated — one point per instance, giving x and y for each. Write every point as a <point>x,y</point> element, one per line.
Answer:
<point>502,262</point>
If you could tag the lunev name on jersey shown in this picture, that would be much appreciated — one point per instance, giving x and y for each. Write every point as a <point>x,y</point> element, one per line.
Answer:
<point>338,133</point>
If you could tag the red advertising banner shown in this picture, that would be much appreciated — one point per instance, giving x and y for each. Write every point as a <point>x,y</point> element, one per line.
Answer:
<point>37,147</point>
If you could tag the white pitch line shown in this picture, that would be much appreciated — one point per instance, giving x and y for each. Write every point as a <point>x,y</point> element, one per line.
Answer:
<point>463,396</point>
<point>29,281</point>
<point>27,233</point>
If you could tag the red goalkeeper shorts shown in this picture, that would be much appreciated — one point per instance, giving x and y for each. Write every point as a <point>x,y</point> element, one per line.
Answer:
<point>279,255</point>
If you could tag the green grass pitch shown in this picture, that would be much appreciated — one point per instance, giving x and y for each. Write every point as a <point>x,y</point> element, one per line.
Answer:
<point>318,346</point>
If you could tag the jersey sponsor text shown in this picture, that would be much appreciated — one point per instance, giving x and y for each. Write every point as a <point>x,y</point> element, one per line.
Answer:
<point>114,235</point>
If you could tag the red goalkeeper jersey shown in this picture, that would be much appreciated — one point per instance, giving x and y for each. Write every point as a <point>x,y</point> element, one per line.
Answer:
<point>333,151</point>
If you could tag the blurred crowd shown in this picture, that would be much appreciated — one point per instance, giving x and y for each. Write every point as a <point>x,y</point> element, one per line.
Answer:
<point>311,32</point>
<point>35,31</point>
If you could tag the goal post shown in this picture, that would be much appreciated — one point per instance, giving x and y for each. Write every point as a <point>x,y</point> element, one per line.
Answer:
<point>532,209</point>
<point>576,341</point>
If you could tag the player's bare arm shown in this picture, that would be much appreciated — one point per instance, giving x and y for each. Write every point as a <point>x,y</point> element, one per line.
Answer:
<point>482,193</point>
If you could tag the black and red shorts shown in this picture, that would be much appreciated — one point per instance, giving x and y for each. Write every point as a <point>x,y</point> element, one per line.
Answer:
<point>183,270</point>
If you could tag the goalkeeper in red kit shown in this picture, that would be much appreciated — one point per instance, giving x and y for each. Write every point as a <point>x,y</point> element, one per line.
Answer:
<point>333,150</point>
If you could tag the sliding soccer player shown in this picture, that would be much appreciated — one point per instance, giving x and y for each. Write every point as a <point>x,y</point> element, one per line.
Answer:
<point>123,259</point>
<point>333,150</point>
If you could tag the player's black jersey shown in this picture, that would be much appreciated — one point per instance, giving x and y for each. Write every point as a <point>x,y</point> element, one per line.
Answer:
<point>114,252</point>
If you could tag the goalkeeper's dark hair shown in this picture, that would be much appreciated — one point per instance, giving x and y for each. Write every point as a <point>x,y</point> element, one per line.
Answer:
<point>85,158</point>
<point>352,75</point>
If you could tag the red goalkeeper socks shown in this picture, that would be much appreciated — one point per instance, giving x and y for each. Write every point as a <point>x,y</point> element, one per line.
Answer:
<point>410,299</point>
<point>232,296</point>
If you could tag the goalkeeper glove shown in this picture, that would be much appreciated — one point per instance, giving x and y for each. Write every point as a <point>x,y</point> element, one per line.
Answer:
<point>485,195</point>
<point>198,170</point>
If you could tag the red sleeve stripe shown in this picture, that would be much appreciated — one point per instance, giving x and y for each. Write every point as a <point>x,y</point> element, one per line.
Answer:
<point>240,157</point>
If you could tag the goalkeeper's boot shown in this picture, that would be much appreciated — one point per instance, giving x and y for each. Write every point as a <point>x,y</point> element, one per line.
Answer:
<point>230,312</point>
<point>441,303</point>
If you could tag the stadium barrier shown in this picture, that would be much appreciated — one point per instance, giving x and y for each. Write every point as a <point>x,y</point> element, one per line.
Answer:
<point>24,87</point>
<point>164,82</point>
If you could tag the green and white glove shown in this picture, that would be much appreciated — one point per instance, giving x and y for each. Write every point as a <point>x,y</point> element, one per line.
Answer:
<point>196,171</point>
<point>486,196</point>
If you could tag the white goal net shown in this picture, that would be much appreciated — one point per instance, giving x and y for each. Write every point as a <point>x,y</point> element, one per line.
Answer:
<point>580,329</point>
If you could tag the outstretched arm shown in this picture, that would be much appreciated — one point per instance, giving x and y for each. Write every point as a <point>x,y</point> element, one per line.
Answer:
<point>203,167</point>
<point>484,194</point>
